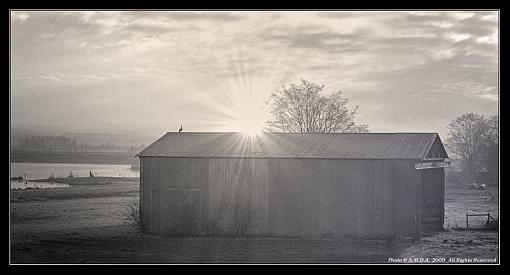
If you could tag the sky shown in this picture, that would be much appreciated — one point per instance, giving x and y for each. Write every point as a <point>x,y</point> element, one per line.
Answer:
<point>149,72</point>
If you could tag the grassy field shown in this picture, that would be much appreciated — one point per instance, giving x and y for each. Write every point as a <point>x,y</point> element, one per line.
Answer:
<point>86,224</point>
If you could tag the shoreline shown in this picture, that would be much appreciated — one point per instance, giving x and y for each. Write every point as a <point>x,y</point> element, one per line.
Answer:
<point>89,180</point>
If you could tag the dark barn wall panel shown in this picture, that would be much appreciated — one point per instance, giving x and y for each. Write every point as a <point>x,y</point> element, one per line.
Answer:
<point>156,196</point>
<point>216,193</point>
<point>293,197</point>
<point>145,187</point>
<point>367,185</point>
<point>145,193</point>
<point>167,182</point>
<point>245,196</point>
<point>328,203</point>
<point>311,197</point>
<point>364,181</point>
<point>255,183</point>
<point>415,200</point>
<point>348,219</point>
<point>275,182</point>
<point>382,199</point>
<point>432,198</point>
<point>359,199</point>
<point>201,182</point>
<point>337,214</point>
<point>441,197</point>
<point>406,193</point>
<point>343,197</point>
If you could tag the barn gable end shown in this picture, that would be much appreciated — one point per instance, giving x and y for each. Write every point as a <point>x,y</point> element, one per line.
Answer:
<point>436,150</point>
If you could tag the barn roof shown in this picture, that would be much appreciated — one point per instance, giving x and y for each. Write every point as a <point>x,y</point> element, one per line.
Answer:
<point>293,145</point>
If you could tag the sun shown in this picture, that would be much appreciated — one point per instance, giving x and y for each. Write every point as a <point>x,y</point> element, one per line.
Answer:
<point>249,123</point>
<point>249,116</point>
<point>250,131</point>
<point>246,101</point>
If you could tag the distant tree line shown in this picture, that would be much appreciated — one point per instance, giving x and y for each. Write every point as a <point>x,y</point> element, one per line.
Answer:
<point>34,143</point>
<point>44,143</point>
<point>473,146</point>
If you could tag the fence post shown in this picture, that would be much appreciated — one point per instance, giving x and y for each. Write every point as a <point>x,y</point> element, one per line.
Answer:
<point>467,221</point>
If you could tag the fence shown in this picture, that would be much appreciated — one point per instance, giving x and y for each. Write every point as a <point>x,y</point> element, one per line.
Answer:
<point>489,218</point>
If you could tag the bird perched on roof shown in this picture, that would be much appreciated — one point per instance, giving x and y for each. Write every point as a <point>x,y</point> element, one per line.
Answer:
<point>180,130</point>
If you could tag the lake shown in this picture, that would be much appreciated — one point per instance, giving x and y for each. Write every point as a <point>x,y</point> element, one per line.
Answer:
<point>44,170</point>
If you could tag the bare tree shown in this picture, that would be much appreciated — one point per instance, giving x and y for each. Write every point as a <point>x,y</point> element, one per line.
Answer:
<point>491,152</point>
<point>470,138</point>
<point>492,135</point>
<point>303,109</point>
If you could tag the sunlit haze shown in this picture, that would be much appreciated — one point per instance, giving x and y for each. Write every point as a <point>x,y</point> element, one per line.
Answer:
<point>146,73</point>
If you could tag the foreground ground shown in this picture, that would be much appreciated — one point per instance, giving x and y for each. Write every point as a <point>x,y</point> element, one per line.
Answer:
<point>86,224</point>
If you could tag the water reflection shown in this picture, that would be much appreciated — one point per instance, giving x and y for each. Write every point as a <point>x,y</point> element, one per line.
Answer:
<point>36,185</point>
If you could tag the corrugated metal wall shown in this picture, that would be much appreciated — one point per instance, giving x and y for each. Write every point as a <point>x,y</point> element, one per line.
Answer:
<point>432,199</point>
<point>282,197</point>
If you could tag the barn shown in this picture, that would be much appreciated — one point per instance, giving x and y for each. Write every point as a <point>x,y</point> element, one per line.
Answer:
<point>341,185</point>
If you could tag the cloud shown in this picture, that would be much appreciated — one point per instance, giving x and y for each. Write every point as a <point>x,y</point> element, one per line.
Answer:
<point>149,21</point>
<point>492,17</point>
<point>462,15</point>
<point>475,25</point>
<point>150,70</point>
<point>313,37</point>
<point>459,36</point>
<point>214,16</point>
<point>492,39</point>
<point>19,16</point>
